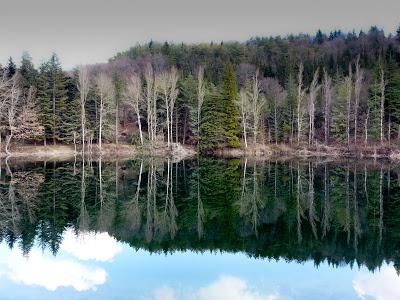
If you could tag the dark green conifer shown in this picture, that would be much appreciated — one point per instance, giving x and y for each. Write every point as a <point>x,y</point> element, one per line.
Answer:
<point>11,68</point>
<point>231,113</point>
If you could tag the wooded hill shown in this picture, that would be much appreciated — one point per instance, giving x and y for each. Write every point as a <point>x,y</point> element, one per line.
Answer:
<point>336,89</point>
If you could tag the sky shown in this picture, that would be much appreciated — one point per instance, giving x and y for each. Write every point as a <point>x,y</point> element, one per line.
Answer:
<point>92,31</point>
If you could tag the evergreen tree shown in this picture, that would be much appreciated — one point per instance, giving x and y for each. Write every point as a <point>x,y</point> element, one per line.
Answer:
<point>11,68</point>
<point>339,110</point>
<point>212,131</point>
<point>393,91</point>
<point>55,111</point>
<point>231,113</point>
<point>28,71</point>
<point>398,34</point>
<point>319,37</point>
<point>373,105</point>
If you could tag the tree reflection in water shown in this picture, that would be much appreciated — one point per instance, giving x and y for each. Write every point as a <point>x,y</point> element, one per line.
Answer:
<point>343,212</point>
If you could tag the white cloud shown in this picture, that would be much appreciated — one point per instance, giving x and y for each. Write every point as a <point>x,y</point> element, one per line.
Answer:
<point>381,285</point>
<point>164,293</point>
<point>49,272</point>
<point>90,245</point>
<point>225,287</point>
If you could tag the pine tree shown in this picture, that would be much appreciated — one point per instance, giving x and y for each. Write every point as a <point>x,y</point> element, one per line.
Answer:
<point>212,131</point>
<point>393,91</point>
<point>28,72</point>
<point>373,106</point>
<point>52,100</point>
<point>11,68</point>
<point>339,110</point>
<point>231,113</point>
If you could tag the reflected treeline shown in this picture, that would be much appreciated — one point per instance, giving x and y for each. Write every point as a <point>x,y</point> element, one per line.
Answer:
<point>344,213</point>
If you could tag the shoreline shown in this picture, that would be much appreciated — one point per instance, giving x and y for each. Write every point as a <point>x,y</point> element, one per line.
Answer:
<point>180,152</point>
<point>60,152</point>
<point>313,151</point>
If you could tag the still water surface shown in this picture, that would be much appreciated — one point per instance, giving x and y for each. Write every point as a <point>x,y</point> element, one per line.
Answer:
<point>201,229</point>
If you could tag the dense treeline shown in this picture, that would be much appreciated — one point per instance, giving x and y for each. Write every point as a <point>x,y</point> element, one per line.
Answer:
<point>296,210</point>
<point>341,89</point>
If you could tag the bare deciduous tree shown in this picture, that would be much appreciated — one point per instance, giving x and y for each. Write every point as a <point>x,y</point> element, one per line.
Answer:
<point>134,91</point>
<point>201,91</point>
<point>151,94</point>
<point>358,80</point>
<point>328,92</point>
<point>300,97</point>
<point>257,103</point>
<point>244,107</point>
<point>167,85</point>
<point>276,95</point>
<point>12,108</point>
<point>314,88</point>
<point>83,88</point>
<point>28,126</point>
<point>106,93</point>
<point>349,89</point>
<point>382,90</point>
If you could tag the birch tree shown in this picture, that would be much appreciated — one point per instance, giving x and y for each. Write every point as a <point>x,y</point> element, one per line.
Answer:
<point>313,92</point>
<point>382,106</point>
<point>328,92</point>
<point>28,126</point>
<point>173,80</point>
<point>349,89</point>
<point>244,107</point>
<point>276,96</point>
<point>358,80</point>
<point>134,90</point>
<point>200,97</point>
<point>151,101</point>
<point>300,97</point>
<point>105,91</point>
<point>257,103</point>
<point>83,88</point>
<point>12,107</point>
<point>166,82</point>
<point>163,80</point>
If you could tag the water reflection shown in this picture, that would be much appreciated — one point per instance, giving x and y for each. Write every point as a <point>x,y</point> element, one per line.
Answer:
<point>342,213</point>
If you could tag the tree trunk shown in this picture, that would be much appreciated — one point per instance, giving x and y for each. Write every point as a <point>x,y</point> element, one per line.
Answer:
<point>140,127</point>
<point>382,88</point>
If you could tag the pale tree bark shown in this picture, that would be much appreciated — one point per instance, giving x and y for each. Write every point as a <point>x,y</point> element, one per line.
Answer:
<point>382,89</point>
<point>173,80</point>
<point>167,84</point>
<point>12,107</point>
<point>134,90</point>
<point>314,88</point>
<point>106,92</point>
<point>349,89</point>
<point>358,81</point>
<point>244,112</point>
<point>201,91</point>
<point>163,79</point>
<point>300,97</point>
<point>328,91</point>
<point>257,103</point>
<point>83,88</point>
<point>366,127</point>
<point>149,78</point>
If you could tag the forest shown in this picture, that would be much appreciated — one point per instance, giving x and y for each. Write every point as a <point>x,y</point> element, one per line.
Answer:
<point>337,89</point>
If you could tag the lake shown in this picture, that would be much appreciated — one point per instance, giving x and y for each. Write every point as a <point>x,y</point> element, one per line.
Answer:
<point>200,229</point>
